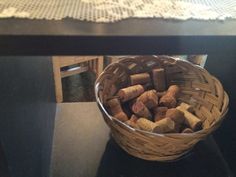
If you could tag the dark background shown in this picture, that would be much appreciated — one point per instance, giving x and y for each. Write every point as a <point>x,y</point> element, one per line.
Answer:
<point>27,112</point>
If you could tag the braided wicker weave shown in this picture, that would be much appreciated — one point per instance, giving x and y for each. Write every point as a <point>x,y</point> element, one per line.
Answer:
<point>198,88</point>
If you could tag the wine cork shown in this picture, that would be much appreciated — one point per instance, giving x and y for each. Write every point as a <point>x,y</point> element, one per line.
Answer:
<point>169,99</point>
<point>131,92</point>
<point>121,116</point>
<point>133,118</point>
<point>191,120</point>
<point>159,113</point>
<point>116,109</point>
<point>159,81</point>
<point>141,78</point>
<point>149,98</point>
<point>145,124</point>
<point>173,90</point>
<point>160,94</point>
<point>187,107</point>
<point>176,115</point>
<point>187,130</point>
<point>114,105</point>
<point>132,121</point>
<point>178,128</point>
<point>141,110</point>
<point>165,125</point>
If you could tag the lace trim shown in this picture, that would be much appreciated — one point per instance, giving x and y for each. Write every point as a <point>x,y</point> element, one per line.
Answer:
<point>115,10</point>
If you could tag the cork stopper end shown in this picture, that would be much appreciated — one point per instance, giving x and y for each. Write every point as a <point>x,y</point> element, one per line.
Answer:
<point>168,101</point>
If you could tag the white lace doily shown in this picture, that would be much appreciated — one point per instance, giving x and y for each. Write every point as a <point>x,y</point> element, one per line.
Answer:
<point>115,10</point>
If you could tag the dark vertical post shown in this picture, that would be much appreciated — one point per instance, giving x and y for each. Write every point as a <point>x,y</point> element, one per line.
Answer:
<point>4,171</point>
<point>27,112</point>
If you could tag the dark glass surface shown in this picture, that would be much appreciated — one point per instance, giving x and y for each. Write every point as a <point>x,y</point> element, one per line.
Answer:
<point>4,171</point>
<point>131,36</point>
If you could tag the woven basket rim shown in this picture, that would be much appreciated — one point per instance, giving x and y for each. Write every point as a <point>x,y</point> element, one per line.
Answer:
<point>115,120</point>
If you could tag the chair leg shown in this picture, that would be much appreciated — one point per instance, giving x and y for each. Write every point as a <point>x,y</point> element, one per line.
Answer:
<point>57,80</point>
<point>99,65</point>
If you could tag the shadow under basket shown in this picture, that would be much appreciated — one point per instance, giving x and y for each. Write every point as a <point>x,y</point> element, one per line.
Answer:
<point>198,88</point>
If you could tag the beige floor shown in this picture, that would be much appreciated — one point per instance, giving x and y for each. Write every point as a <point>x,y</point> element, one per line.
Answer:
<point>80,137</point>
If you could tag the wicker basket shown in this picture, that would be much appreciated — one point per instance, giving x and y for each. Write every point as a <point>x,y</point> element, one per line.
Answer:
<point>198,88</point>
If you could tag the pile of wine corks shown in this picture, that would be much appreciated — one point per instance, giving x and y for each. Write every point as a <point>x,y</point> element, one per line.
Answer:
<point>148,104</point>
